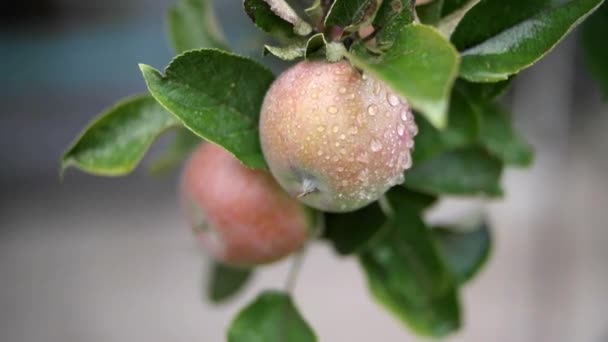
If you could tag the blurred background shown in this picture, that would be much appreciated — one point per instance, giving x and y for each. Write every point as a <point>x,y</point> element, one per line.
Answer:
<point>98,259</point>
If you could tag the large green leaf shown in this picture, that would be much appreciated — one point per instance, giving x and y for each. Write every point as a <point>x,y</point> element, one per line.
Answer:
<point>191,25</point>
<point>351,14</point>
<point>349,232</point>
<point>272,317</point>
<point>465,251</point>
<point>406,274</point>
<point>115,141</point>
<point>466,171</point>
<point>498,39</point>
<point>417,201</point>
<point>595,31</point>
<point>499,137</point>
<point>420,65</point>
<point>218,96</point>
<point>430,13</point>
<point>225,281</point>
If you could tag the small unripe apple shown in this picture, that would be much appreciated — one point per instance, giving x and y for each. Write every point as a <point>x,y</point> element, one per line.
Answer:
<point>241,216</point>
<point>334,137</point>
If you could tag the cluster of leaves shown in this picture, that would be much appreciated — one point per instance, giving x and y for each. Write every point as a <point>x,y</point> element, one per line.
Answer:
<point>450,58</point>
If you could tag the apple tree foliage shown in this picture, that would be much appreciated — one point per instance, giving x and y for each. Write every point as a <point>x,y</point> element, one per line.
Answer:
<point>452,60</point>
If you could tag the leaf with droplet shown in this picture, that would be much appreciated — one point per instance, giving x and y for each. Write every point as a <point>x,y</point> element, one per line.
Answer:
<point>115,141</point>
<point>218,96</point>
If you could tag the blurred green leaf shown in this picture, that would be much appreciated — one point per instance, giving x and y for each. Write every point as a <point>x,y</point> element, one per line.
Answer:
<point>393,13</point>
<point>595,31</point>
<point>483,92</point>
<point>226,281</point>
<point>218,96</point>
<point>430,13</point>
<point>191,25</point>
<point>462,130</point>
<point>349,232</point>
<point>420,65</point>
<point>465,251</point>
<point>115,141</point>
<point>272,317</point>
<point>465,171</point>
<point>351,14</point>
<point>448,23</point>
<point>401,197</point>
<point>182,144</point>
<point>407,275</point>
<point>498,136</point>
<point>498,40</point>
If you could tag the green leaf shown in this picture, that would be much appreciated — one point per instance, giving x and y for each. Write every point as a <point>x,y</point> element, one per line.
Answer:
<point>191,25</point>
<point>448,24</point>
<point>264,18</point>
<point>450,6</point>
<point>226,281</point>
<point>218,96</point>
<point>498,136</point>
<point>497,41</point>
<point>276,18</point>
<point>430,13</point>
<point>465,251</point>
<point>595,31</point>
<point>407,275</point>
<point>115,142</point>
<point>421,66</point>
<point>315,12</point>
<point>351,14</point>
<point>180,148</point>
<point>350,232</point>
<point>391,10</point>
<point>462,129</point>
<point>466,171</point>
<point>401,197</point>
<point>483,92</point>
<point>272,317</point>
<point>287,53</point>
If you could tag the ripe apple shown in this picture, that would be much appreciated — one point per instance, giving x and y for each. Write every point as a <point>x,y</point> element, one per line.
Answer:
<point>334,137</point>
<point>241,216</point>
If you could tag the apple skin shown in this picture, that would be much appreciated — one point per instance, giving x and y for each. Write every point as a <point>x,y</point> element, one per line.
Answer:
<point>333,137</point>
<point>241,216</point>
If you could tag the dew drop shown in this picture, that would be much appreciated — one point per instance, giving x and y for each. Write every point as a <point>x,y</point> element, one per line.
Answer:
<point>376,88</point>
<point>337,144</point>
<point>375,145</point>
<point>320,153</point>
<point>363,158</point>
<point>320,128</point>
<point>413,129</point>
<point>404,116</point>
<point>314,95</point>
<point>343,151</point>
<point>342,90</point>
<point>405,161</point>
<point>340,169</point>
<point>364,77</point>
<point>372,110</point>
<point>342,136</point>
<point>335,158</point>
<point>332,109</point>
<point>353,130</point>
<point>400,129</point>
<point>335,129</point>
<point>409,144</point>
<point>351,96</point>
<point>392,99</point>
